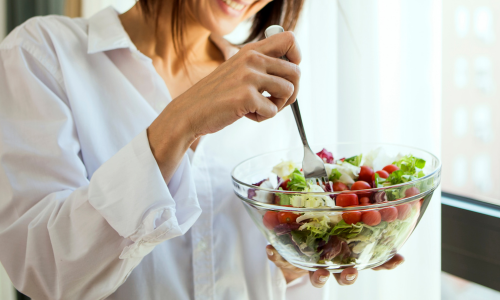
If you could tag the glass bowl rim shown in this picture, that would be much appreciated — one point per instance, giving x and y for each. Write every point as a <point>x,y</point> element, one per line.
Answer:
<point>432,174</point>
<point>275,207</point>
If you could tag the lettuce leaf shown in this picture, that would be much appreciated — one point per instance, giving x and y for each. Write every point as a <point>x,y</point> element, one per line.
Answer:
<point>410,165</point>
<point>349,231</point>
<point>335,175</point>
<point>410,168</point>
<point>355,160</point>
<point>317,226</point>
<point>379,181</point>
<point>346,230</point>
<point>297,181</point>
<point>284,198</point>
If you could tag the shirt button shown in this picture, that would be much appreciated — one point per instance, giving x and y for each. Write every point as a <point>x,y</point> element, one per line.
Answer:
<point>201,246</point>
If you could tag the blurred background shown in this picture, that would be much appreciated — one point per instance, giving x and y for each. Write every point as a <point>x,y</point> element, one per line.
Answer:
<point>423,73</point>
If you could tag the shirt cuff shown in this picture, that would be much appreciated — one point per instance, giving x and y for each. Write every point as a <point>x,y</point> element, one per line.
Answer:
<point>298,281</point>
<point>130,193</point>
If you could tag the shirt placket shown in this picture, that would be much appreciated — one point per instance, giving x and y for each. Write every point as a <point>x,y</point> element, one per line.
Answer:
<point>202,231</point>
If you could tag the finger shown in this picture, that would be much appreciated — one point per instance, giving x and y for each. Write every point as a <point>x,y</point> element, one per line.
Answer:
<point>278,45</point>
<point>279,261</point>
<point>319,277</point>
<point>263,64</point>
<point>392,263</point>
<point>280,89</point>
<point>288,71</point>
<point>276,67</point>
<point>275,257</point>
<point>259,108</point>
<point>347,277</point>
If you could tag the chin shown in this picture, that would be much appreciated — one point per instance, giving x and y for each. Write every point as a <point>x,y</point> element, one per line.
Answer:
<point>222,28</point>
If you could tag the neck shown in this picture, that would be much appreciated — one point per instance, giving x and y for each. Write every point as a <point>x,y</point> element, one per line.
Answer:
<point>157,42</point>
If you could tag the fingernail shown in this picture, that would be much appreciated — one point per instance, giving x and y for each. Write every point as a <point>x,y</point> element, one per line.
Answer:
<point>323,278</point>
<point>269,252</point>
<point>399,263</point>
<point>350,277</point>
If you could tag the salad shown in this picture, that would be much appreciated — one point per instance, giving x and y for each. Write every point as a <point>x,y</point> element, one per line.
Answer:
<point>343,238</point>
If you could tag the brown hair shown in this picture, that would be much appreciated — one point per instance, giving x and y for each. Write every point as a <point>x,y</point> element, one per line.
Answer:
<point>282,12</point>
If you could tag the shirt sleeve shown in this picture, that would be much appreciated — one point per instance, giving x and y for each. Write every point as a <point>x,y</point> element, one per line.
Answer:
<point>63,236</point>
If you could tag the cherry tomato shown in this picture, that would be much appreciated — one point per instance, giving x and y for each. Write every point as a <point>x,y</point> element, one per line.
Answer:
<point>284,184</point>
<point>339,186</point>
<point>347,200</point>
<point>270,220</point>
<point>287,217</point>
<point>361,185</point>
<point>403,211</point>
<point>412,191</point>
<point>364,201</point>
<point>365,174</point>
<point>352,217</point>
<point>389,214</point>
<point>371,218</point>
<point>381,174</point>
<point>390,168</point>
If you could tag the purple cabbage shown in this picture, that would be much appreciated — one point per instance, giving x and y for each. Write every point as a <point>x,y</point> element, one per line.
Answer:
<point>294,243</point>
<point>345,252</point>
<point>326,156</point>
<point>335,247</point>
<point>286,228</point>
<point>331,248</point>
<point>251,192</point>
<point>379,197</point>
<point>328,187</point>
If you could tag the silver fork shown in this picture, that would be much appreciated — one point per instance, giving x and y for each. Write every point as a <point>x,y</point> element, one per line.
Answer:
<point>312,165</point>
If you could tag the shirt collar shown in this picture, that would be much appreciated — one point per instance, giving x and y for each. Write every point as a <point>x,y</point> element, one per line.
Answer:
<point>107,33</point>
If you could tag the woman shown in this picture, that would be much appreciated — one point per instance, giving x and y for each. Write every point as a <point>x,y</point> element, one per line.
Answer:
<point>107,192</point>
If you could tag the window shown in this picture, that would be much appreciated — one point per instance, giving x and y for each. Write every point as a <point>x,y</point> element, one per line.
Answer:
<point>471,82</point>
<point>470,147</point>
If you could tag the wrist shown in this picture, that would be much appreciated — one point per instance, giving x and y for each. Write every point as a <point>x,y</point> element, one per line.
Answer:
<point>170,136</point>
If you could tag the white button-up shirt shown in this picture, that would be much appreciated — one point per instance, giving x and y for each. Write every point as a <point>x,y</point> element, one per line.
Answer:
<point>84,210</point>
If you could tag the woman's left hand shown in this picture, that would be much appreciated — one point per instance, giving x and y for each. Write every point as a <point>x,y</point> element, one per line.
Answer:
<point>320,277</point>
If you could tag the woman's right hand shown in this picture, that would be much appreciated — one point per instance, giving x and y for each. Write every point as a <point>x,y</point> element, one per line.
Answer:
<point>234,90</point>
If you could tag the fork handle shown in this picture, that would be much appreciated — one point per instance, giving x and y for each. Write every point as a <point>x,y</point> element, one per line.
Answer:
<point>298,120</point>
<point>270,31</point>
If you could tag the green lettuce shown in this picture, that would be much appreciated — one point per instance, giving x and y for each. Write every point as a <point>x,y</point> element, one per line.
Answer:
<point>410,168</point>
<point>284,198</point>
<point>347,230</point>
<point>379,181</point>
<point>297,181</point>
<point>305,236</point>
<point>318,226</point>
<point>335,175</point>
<point>355,160</point>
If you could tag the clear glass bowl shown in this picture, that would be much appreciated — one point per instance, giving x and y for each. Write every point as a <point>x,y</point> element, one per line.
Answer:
<point>372,246</point>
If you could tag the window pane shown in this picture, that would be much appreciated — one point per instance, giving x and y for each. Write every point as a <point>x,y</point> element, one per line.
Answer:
<point>471,83</point>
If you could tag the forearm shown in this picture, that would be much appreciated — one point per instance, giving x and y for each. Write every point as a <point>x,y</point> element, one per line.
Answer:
<point>170,136</point>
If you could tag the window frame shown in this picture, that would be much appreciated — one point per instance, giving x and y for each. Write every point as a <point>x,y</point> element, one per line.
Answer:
<point>470,239</point>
